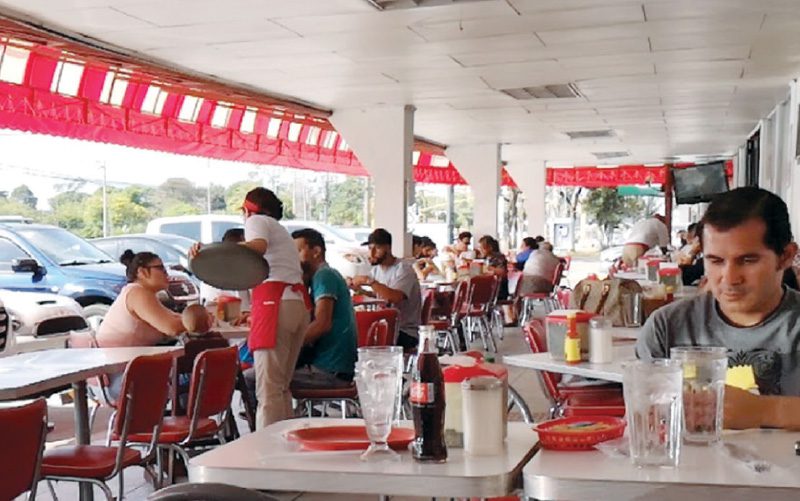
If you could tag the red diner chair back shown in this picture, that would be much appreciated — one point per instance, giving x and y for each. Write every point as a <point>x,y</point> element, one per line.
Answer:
<point>536,336</point>
<point>378,334</point>
<point>427,306</point>
<point>143,396</point>
<point>557,275</point>
<point>22,435</point>
<point>481,290</point>
<point>365,319</point>
<point>213,381</point>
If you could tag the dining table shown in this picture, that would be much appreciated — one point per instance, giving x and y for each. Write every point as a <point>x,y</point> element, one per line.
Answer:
<point>267,460</point>
<point>30,374</point>
<point>746,465</point>
<point>545,362</point>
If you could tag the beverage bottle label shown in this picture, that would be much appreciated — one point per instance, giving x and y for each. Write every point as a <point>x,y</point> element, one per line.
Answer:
<point>572,350</point>
<point>422,393</point>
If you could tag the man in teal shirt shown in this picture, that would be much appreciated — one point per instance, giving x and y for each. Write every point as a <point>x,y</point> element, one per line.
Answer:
<point>332,331</point>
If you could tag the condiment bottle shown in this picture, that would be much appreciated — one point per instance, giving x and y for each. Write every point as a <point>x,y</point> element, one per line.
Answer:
<point>670,294</point>
<point>427,403</point>
<point>484,416</point>
<point>601,341</point>
<point>572,341</point>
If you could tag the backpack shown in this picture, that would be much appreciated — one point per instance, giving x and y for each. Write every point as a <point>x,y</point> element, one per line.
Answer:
<point>604,297</point>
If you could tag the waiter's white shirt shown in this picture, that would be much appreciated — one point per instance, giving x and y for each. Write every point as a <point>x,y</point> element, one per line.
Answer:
<point>282,256</point>
<point>650,232</point>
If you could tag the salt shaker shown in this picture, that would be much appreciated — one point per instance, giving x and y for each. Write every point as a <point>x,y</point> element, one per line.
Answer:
<point>484,416</point>
<point>600,341</point>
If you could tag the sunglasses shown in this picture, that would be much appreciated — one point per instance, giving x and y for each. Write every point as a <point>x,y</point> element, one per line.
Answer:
<point>157,266</point>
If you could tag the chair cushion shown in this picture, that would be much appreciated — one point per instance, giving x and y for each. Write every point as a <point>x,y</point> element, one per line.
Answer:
<point>86,461</point>
<point>325,393</point>
<point>537,295</point>
<point>439,325</point>
<point>175,429</point>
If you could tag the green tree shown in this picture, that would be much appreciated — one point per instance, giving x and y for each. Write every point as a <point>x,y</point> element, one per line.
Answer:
<point>23,195</point>
<point>346,200</point>
<point>234,195</point>
<point>68,211</point>
<point>608,209</point>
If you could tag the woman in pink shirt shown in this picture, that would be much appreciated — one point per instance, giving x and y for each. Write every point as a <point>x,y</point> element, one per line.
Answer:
<point>137,317</point>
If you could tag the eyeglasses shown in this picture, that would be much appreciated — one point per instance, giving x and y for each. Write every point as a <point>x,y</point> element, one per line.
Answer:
<point>157,266</point>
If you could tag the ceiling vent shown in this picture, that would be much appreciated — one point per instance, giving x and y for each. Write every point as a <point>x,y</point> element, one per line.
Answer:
<point>415,4</point>
<point>590,134</point>
<point>605,155</point>
<point>557,91</point>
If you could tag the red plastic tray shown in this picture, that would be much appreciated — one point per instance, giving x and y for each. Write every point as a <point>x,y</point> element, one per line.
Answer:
<point>342,438</point>
<point>574,438</point>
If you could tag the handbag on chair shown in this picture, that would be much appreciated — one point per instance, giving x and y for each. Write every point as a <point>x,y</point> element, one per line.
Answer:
<point>604,297</point>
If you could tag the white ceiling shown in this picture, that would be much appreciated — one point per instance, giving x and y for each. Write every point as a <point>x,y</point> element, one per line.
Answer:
<point>669,77</point>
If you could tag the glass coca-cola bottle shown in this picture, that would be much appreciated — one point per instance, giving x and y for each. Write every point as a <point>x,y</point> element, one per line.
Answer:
<point>427,402</point>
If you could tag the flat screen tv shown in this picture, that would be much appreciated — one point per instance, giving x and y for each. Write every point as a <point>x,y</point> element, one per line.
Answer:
<point>699,183</point>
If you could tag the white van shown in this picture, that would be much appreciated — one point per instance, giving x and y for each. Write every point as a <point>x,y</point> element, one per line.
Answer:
<point>206,228</point>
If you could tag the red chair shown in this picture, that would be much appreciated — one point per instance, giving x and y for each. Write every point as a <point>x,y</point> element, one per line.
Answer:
<point>97,386</point>
<point>210,392</point>
<point>22,433</point>
<point>478,308</point>
<point>143,398</point>
<point>604,400</point>
<point>365,319</point>
<point>447,328</point>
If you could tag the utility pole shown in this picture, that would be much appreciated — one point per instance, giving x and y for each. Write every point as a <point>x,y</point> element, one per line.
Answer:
<point>105,200</point>
<point>450,213</point>
<point>208,186</point>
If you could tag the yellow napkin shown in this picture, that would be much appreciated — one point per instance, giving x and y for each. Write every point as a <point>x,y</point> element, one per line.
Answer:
<point>741,376</point>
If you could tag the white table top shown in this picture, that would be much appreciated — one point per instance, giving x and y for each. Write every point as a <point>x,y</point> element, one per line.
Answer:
<point>543,362</point>
<point>703,472</point>
<point>31,373</point>
<point>232,331</point>
<point>264,460</point>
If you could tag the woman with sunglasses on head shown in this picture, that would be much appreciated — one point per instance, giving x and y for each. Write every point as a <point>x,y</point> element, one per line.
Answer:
<point>137,317</point>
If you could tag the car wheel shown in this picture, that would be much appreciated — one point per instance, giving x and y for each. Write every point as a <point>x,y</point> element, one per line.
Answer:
<point>94,314</point>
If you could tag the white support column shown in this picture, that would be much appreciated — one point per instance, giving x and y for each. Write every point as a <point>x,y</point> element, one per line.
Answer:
<point>531,178</point>
<point>481,167</point>
<point>383,141</point>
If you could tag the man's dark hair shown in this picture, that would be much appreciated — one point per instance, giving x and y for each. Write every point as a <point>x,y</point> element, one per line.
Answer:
<point>427,243</point>
<point>234,235</point>
<point>691,228</point>
<point>730,209</point>
<point>465,235</point>
<point>539,238</point>
<point>530,243</point>
<point>312,237</point>
<point>416,240</point>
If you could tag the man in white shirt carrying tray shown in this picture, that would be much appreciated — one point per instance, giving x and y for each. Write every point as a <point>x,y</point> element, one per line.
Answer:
<point>645,235</point>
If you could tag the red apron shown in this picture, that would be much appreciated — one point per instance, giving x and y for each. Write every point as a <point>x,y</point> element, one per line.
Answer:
<point>266,303</point>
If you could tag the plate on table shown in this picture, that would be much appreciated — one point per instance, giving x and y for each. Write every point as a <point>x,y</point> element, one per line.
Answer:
<point>229,266</point>
<point>345,438</point>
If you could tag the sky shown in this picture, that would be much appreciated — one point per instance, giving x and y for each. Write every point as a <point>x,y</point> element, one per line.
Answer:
<point>37,160</point>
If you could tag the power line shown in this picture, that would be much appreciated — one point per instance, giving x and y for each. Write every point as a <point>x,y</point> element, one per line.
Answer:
<point>54,175</point>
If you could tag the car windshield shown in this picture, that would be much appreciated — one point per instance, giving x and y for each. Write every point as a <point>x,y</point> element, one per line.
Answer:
<point>182,244</point>
<point>63,247</point>
<point>336,232</point>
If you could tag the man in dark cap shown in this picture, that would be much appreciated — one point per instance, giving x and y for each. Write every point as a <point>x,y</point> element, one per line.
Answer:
<point>394,280</point>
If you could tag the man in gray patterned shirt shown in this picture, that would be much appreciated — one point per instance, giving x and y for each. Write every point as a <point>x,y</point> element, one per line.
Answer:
<point>747,244</point>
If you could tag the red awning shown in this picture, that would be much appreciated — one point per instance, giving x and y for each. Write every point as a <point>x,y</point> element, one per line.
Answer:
<point>611,177</point>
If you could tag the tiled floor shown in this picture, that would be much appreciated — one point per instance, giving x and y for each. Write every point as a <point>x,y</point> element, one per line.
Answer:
<point>137,488</point>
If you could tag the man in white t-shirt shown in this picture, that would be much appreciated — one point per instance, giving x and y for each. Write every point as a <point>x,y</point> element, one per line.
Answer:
<point>646,234</point>
<point>394,280</point>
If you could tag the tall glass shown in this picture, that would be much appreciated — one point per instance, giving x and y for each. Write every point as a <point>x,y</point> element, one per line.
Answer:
<point>653,408</point>
<point>704,369</point>
<point>632,309</point>
<point>378,376</point>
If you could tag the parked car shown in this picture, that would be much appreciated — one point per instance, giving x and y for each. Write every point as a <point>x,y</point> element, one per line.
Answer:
<point>42,258</point>
<point>357,234</point>
<point>34,321</point>
<point>172,249</point>
<point>206,228</point>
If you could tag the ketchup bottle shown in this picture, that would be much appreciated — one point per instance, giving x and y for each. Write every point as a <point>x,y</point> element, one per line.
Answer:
<point>427,404</point>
